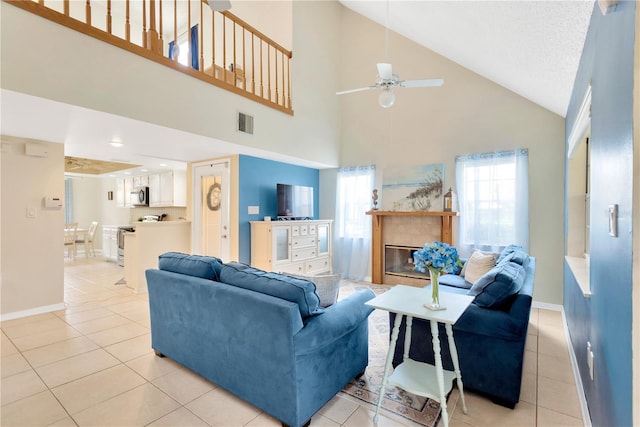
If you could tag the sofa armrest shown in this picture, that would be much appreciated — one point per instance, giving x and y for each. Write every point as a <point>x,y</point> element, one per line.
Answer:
<point>337,320</point>
<point>497,323</point>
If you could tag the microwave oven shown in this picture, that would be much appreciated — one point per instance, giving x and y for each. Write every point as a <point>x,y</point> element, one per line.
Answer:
<point>140,196</point>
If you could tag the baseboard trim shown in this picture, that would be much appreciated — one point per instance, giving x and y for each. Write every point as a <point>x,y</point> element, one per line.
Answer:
<point>584,406</point>
<point>546,306</point>
<point>32,311</point>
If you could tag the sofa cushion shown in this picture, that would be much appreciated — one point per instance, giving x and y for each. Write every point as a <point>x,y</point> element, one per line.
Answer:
<point>454,280</point>
<point>327,286</point>
<point>498,286</point>
<point>479,263</point>
<point>205,267</point>
<point>302,292</point>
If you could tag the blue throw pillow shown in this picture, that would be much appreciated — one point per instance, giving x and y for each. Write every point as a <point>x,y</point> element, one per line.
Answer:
<point>508,279</point>
<point>302,292</point>
<point>204,267</point>
<point>519,254</point>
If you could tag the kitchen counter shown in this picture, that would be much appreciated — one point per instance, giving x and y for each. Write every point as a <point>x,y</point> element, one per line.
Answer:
<point>147,243</point>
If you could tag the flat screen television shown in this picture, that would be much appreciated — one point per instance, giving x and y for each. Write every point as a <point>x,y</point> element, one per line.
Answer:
<point>295,202</point>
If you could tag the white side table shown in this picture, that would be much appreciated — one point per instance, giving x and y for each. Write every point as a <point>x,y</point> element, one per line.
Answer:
<point>417,377</point>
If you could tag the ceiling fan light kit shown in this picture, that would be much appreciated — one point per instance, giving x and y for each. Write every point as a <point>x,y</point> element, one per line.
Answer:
<point>386,98</point>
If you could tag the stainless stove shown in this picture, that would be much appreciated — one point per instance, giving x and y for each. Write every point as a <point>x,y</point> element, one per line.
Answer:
<point>121,230</point>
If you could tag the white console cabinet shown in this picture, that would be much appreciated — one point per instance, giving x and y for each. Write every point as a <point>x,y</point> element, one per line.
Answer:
<point>298,247</point>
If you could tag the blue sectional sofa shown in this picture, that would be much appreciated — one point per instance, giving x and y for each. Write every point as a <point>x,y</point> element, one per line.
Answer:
<point>261,336</point>
<point>490,335</point>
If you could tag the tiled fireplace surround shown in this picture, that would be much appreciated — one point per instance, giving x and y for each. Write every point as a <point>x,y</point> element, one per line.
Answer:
<point>413,231</point>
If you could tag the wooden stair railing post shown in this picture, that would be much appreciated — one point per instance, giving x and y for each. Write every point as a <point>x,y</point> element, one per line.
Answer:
<point>87,12</point>
<point>152,34</point>
<point>160,41</point>
<point>127,24</point>
<point>109,16</point>
<point>144,24</point>
<point>175,31</point>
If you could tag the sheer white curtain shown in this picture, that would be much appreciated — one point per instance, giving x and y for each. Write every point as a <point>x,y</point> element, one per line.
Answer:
<point>68,200</point>
<point>352,242</point>
<point>493,192</point>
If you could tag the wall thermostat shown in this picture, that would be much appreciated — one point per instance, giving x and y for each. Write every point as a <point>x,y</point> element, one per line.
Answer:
<point>52,202</point>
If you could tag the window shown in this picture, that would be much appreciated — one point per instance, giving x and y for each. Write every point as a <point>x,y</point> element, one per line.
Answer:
<point>68,200</point>
<point>494,200</point>
<point>352,226</point>
<point>353,200</point>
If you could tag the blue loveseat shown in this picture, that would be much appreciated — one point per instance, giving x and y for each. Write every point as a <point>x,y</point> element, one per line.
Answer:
<point>490,335</point>
<point>261,336</point>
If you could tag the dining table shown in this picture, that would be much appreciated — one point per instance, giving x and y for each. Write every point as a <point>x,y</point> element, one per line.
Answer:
<point>80,232</point>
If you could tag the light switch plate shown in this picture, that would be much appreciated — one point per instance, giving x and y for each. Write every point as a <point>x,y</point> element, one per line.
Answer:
<point>254,210</point>
<point>31,212</point>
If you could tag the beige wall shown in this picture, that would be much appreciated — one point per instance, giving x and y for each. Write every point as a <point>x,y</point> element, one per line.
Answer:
<point>32,248</point>
<point>334,49</point>
<point>467,114</point>
<point>119,82</point>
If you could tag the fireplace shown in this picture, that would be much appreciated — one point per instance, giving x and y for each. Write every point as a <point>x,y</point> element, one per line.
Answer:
<point>398,261</point>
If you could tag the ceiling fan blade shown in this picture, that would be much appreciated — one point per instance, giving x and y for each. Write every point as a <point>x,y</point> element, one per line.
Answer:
<point>355,90</point>
<point>384,71</point>
<point>421,83</point>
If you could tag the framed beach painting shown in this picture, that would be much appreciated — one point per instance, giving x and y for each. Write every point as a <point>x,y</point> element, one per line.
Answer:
<point>413,188</point>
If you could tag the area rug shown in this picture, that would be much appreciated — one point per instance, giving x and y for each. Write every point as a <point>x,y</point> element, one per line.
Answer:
<point>418,409</point>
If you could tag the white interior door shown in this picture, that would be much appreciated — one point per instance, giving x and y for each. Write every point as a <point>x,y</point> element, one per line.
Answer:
<point>211,209</point>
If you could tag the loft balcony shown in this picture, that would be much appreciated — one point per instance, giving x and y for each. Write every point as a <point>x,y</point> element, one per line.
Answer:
<point>187,35</point>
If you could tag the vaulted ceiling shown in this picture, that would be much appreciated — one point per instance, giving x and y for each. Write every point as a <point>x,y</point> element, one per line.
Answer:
<point>531,47</point>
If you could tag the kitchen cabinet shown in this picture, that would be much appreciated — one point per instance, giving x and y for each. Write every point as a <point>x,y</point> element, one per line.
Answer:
<point>120,193</point>
<point>299,247</point>
<point>154,189</point>
<point>168,189</point>
<point>110,242</point>
<point>141,181</point>
<point>123,192</point>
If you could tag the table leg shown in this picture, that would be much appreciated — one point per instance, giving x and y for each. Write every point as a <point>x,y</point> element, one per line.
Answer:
<point>439,370</point>
<point>387,366</point>
<point>456,365</point>
<point>407,338</point>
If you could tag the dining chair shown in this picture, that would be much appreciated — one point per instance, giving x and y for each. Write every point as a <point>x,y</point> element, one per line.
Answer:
<point>70,235</point>
<point>87,240</point>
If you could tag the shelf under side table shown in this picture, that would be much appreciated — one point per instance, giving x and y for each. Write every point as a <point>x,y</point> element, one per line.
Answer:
<point>420,378</point>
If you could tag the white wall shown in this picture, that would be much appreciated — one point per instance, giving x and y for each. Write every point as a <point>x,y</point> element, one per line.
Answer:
<point>32,248</point>
<point>468,114</point>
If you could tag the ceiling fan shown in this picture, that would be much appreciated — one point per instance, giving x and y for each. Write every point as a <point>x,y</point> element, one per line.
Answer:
<point>387,81</point>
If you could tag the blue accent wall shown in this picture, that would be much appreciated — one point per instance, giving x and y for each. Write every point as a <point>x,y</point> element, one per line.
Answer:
<point>606,318</point>
<point>257,187</point>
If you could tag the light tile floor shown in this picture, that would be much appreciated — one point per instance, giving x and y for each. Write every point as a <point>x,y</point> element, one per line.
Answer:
<point>92,364</point>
